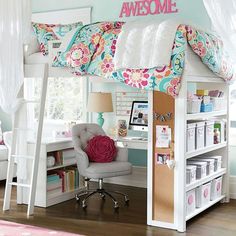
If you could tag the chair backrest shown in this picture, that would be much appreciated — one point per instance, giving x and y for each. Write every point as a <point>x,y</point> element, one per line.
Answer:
<point>82,133</point>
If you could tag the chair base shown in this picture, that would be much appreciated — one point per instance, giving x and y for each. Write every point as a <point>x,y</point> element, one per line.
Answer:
<point>89,193</point>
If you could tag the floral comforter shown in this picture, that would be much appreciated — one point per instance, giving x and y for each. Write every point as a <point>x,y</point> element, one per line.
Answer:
<point>92,48</point>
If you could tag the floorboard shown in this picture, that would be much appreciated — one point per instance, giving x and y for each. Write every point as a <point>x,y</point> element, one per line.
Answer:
<point>101,219</point>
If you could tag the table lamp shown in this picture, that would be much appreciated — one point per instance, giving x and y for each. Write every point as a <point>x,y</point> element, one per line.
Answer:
<point>100,102</point>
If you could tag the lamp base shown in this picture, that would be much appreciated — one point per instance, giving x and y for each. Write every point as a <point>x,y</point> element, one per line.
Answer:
<point>100,119</point>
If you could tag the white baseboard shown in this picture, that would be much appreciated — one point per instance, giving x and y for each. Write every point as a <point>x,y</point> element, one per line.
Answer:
<point>138,178</point>
<point>232,187</point>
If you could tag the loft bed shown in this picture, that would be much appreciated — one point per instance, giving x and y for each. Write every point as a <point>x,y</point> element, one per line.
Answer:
<point>171,213</point>
<point>34,60</point>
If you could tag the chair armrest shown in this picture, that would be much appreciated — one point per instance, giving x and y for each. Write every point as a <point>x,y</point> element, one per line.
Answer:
<point>122,154</point>
<point>82,161</point>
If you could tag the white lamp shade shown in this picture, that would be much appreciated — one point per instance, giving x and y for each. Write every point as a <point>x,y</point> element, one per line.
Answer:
<point>100,102</point>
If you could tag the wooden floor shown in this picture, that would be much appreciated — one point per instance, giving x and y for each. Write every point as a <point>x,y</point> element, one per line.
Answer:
<point>100,219</point>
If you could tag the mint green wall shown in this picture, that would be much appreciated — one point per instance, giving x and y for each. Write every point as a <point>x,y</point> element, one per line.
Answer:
<point>192,11</point>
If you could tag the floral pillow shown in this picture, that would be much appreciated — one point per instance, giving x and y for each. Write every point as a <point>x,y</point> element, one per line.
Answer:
<point>101,149</point>
<point>48,32</point>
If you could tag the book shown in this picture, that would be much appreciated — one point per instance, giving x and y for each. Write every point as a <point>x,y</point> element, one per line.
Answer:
<point>68,153</point>
<point>62,174</point>
<point>54,185</point>
<point>53,177</point>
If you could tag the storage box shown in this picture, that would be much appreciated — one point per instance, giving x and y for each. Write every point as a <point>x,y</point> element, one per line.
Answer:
<point>218,103</point>
<point>191,137</point>
<point>206,107</point>
<point>209,133</point>
<point>190,173</point>
<point>210,164</point>
<point>201,168</point>
<point>200,135</point>
<point>217,161</point>
<point>216,188</point>
<point>190,201</point>
<point>203,194</point>
<point>193,106</point>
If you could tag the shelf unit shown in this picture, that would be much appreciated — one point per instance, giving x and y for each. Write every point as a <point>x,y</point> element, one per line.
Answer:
<point>199,210</point>
<point>43,198</point>
<point>167,194</point>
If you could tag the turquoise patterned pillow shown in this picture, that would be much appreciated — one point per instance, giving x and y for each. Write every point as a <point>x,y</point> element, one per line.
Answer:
<point>48,32</point>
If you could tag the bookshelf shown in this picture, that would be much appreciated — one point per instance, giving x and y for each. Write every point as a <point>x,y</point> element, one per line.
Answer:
<point>58,182</point>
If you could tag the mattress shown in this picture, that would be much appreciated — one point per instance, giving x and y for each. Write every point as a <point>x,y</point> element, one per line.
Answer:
<point>193,64</point>
<point>36,58</point>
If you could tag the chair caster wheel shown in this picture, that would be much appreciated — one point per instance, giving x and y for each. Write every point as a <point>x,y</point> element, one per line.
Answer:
<point>77,198</point>
<point>126,200</point>
<point>116,205</point>
<point>103,196</point>
<point>84,205</point>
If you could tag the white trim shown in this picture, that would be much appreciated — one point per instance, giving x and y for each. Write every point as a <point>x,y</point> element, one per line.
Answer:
<point>69,16</point>
<point>232,186</point>
<point>138,178</point>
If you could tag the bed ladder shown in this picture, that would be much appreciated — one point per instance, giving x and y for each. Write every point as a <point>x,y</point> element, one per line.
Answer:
<point>34,158</point>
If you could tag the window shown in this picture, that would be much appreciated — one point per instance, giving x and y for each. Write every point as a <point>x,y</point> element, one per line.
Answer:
<point>66,99</point>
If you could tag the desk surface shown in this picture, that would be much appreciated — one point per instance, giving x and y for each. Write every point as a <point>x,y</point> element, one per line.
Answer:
<point>132,143</point>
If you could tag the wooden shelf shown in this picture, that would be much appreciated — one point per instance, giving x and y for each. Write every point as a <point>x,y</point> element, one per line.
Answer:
<point>205,150</point>
<point>205,179</point>
<point>206,115</point>
<point>199,210</point>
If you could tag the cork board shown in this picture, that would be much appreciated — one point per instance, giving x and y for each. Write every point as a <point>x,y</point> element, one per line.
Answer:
<point>163,177</point>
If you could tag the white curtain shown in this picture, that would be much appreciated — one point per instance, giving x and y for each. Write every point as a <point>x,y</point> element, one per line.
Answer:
<point>15,18</point>
<point>223,17</point>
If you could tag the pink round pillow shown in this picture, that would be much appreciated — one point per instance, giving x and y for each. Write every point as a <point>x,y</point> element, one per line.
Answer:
<point>101,149</point>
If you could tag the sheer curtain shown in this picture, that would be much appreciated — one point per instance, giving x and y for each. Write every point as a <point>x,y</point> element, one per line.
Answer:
<point>223,16</point>
<point>15,18</point>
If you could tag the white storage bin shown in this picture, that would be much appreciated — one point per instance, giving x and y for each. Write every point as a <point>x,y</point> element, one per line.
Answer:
<point>216,188</point>
<point>190,201</point>
<point>203,194</point>
<point>217,161</point>
<point>200,135</point>
<point>191,128</point>
<point>209,133</point>
<point>201,168</point>
<point>218,103</point>
<point>193,106</point>
<point>210,164</point>
<point>190,173</point>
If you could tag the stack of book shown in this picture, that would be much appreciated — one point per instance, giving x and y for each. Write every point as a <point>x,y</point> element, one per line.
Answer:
<point>54,184</point>
<point>68,157</point>
<point>69,178</point>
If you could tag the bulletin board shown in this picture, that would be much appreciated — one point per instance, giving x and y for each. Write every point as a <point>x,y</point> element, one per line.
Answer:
<point>124,101</point>
<point>163,176</point>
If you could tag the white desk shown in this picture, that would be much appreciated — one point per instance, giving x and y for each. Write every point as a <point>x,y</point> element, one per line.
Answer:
<point>132,143</point>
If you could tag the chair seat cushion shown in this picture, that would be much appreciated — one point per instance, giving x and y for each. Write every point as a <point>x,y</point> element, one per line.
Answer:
<point>111,169</point>
<point>101,149</point>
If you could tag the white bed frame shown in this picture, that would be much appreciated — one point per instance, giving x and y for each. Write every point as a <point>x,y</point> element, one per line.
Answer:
<point>195,71</point>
